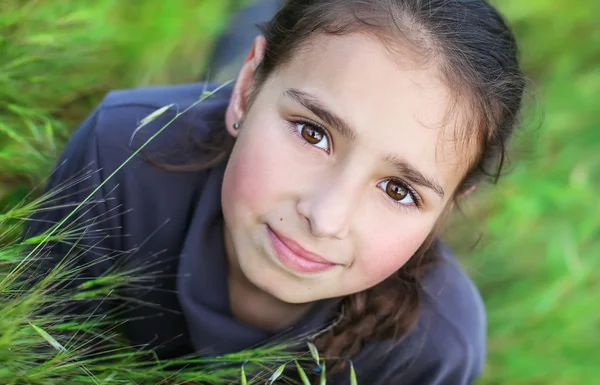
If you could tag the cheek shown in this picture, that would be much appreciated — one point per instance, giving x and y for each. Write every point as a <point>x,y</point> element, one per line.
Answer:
<point>247,183</point>
<point>388,251</point>
<point>242,185</point>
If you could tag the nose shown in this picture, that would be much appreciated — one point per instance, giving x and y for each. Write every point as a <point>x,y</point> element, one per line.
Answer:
<point>328,207</point>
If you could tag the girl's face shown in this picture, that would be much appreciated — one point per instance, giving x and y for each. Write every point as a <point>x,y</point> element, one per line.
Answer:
<point>342,166</point>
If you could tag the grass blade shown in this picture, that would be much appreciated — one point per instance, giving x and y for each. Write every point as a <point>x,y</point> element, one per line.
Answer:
<point>323,380</point>
<point>154,115</point>
<point>353,380</point>
<point>55,344</point>
<point>302,374</point>
<point>243,379</point>
<point>313,351</point>
<point>277,374</point>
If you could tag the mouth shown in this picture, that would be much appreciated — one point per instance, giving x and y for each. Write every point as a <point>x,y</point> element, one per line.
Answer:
<point>295,257</point>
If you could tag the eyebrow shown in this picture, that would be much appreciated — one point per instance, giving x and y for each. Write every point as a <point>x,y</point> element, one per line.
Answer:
<point>319,109</point>
<point>414,175</point>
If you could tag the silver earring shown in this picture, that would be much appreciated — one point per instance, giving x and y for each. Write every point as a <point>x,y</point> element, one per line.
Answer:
<point>236,126</point>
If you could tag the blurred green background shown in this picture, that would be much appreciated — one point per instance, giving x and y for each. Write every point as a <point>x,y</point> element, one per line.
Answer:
<point>532,243</point>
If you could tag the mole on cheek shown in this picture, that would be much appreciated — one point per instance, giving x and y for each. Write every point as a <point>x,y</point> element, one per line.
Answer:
<point>281,219</point>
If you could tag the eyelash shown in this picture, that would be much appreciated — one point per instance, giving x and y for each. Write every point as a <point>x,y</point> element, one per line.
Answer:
<point>417,201</point>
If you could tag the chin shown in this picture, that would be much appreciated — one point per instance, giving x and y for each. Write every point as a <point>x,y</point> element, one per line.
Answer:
<point>280,285</point>
<point>293,297</point>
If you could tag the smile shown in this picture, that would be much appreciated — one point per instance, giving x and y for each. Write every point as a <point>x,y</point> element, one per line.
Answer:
<point>295,257</point>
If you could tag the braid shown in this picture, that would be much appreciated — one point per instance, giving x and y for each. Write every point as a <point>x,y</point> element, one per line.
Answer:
<point>388,310</point>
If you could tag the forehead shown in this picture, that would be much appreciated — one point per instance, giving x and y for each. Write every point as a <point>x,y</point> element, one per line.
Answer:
<point>397,107</point>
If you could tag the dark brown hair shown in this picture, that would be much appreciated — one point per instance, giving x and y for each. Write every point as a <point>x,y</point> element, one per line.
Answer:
<point>475,52</point>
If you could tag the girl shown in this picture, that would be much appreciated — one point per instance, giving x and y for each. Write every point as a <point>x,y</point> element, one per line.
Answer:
<point>305,199</point>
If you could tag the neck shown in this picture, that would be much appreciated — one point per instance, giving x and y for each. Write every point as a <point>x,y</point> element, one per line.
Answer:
<point>254,306</point>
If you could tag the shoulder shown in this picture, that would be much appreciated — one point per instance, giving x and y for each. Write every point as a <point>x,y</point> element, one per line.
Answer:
<point>448,345</point>
<point>120,116</point>
<point>453,326</point>
<point>119,128</point>
<point>131,126</point>
<point>112,147</point>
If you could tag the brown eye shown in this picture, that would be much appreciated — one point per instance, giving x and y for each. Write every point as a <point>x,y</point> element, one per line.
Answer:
<point>313,135</point>
<point>397,191</point>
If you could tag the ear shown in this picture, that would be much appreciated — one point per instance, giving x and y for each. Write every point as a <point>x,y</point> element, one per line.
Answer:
<point>239,98</point>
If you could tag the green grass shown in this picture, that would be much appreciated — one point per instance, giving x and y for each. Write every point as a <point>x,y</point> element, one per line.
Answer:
<point>58,59</point>
<point>537,263</point>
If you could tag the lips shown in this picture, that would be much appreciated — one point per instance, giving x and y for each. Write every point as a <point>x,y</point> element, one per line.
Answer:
<point>295,257</point>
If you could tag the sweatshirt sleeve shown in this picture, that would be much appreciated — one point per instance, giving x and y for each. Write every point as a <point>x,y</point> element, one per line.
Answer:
<point>93,231</point>
<point>96,239</point>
